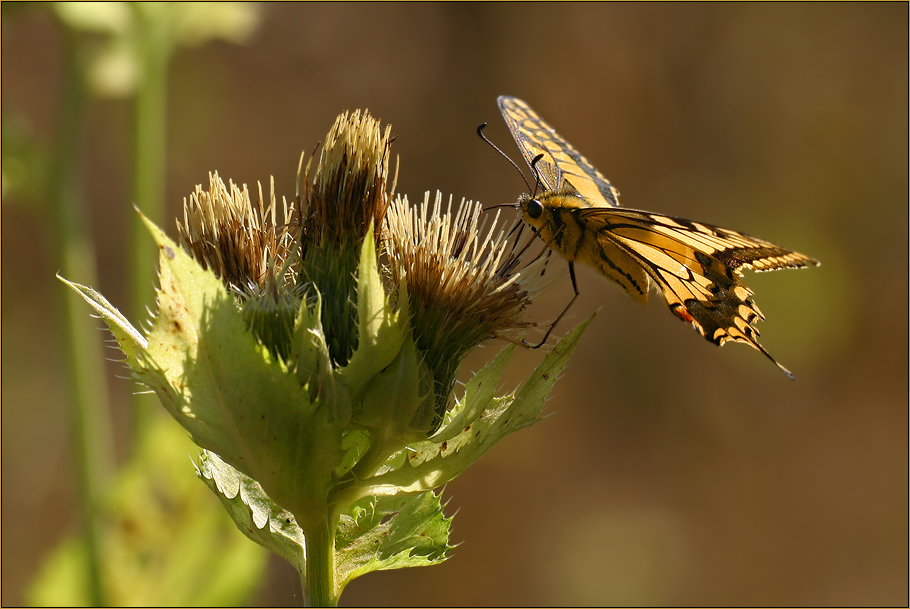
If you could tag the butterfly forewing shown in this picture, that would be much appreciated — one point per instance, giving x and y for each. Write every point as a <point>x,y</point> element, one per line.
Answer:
<point>696,266</point>
<point>561,163</point>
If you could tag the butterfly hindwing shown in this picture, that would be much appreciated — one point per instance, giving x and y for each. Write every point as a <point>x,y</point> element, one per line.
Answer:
<point>696,266</point>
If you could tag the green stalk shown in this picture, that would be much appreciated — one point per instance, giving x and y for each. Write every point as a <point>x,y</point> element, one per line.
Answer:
<point>149,172</point>
<point>75,255</point>
<point>318,579</point>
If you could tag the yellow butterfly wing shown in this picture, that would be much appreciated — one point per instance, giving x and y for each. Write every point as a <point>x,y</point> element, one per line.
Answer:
<point>696,266</point>
<point>561,163</point>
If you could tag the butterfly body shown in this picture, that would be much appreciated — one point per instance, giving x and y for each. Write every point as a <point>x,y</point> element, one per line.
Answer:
<point>558,217</point>
<point>696,266</point>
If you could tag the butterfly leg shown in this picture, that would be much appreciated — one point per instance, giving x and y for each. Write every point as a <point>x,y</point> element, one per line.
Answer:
<point>564,311</point>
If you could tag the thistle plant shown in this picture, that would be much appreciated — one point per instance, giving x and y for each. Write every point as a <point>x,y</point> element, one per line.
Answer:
<point>310,348</point>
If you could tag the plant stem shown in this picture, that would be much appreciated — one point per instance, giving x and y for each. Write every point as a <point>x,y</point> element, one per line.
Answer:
<point>149,172</point>
<point>75,254</point>
<point>318,579</point>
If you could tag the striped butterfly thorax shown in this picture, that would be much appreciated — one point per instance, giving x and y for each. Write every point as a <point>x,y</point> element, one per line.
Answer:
<point>696,266</point>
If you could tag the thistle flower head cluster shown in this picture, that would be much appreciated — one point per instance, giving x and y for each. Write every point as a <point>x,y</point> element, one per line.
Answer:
<point>310,348</point>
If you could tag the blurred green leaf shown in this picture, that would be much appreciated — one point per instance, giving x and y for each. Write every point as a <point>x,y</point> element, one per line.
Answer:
<point>164,540</point>
<point>25,162</point>
<point>111,54</point>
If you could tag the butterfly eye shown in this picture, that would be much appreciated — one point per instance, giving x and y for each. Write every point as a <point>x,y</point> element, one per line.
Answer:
<point>534,209</point>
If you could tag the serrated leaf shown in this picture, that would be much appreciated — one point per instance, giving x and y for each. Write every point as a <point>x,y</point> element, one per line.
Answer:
<point>376,533</point>
<point>131,341</point>
<point>228,391</point>
<point>541,381</point>
<point>431,464</point>
<point>478,393</point>
<point>254,513</point>
<point>380,533</point>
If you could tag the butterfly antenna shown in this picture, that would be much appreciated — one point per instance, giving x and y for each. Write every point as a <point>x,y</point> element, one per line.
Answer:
<point>480,129</point>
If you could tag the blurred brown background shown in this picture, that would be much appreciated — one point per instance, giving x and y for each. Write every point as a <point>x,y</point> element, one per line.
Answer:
<point>671,472</point>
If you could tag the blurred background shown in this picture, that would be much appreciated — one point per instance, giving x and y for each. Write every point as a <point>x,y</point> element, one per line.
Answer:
<point>671,472</point>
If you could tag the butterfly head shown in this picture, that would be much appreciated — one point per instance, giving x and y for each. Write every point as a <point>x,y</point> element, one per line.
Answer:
<point>530,206</point>
<point>542,213</point>
<point>532,210</point>
<point>549,210</point>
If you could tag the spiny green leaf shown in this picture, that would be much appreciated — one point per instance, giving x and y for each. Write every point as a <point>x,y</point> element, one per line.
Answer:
<point>254,513</point>
<point>230,393</point>
<point>131,341</point>
<point>431,463</point>
<point>379,533</point>
<point>478,393</point>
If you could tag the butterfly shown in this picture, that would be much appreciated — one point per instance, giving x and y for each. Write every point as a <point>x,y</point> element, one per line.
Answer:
<point>696,266</point>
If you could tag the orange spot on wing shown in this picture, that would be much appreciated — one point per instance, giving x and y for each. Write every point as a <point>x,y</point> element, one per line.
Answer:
<point>683,314</point>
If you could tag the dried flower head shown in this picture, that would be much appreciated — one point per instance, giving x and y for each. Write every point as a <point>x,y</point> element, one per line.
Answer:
<point>346,195</point>
<point>465,281</point>
<point>242,243</point>
<point>348,189</point>
<point>253,249</point>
